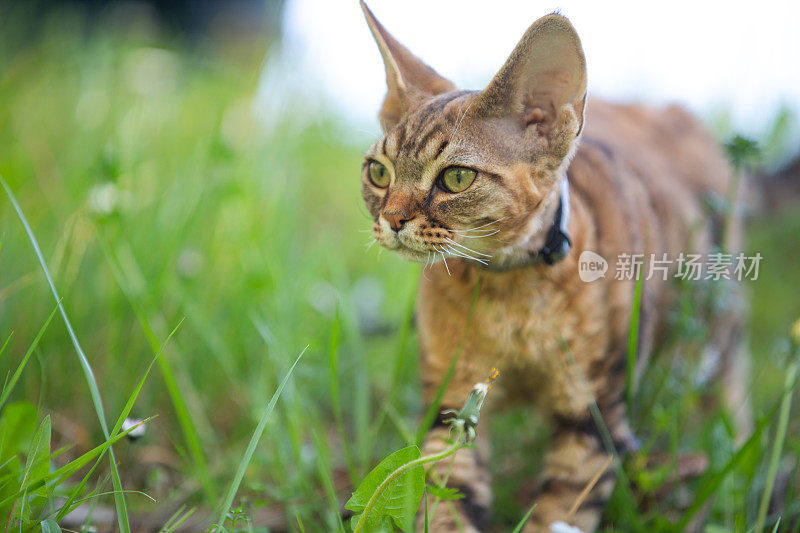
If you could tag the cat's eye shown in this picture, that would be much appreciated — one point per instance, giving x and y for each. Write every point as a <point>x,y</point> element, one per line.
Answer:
<point>378,175</point>
<point>457,179</point>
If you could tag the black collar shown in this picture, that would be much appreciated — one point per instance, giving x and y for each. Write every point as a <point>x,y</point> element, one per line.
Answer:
<point>557,244</point>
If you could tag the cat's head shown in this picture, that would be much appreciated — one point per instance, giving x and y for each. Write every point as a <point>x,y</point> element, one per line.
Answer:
<point>474,174</point>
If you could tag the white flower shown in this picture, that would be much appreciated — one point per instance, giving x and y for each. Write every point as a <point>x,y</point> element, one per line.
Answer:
<point>137,432</point>
<point>104,198</point>
<point>562,527</point>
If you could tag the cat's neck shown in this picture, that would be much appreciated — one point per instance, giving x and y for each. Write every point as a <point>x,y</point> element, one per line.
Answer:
<point>531,250</point>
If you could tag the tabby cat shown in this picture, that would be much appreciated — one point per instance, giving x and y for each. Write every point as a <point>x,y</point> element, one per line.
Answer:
<point>504,188</point>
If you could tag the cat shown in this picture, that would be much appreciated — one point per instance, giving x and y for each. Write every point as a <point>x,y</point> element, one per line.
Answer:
<point>499,192</point>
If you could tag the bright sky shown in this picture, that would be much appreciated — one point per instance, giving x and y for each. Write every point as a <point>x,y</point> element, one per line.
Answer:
<point>713,55</point>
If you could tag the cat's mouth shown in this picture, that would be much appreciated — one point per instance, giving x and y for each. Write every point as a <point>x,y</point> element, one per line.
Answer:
<point>409,247</point>
<point>411,255</point>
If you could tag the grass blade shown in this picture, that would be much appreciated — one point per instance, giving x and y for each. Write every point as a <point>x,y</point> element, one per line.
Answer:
<point>324,472</point>
<point>713,479</point>
<point>633,345</point>
<point>3,348</point>
<point>70,468</point>
<point>119,498</point>
<point>185,419</point>
<point>68,505</point>
<point>524,519</point>
<point>135,394</point>
<point>125,412</point>
<point>177,519</point>
<point>403,336</point>
<point>251,447</point>
<point>777,445</point>
<point>333,376</point>
<point>50,526</point>
<point>10,386</point>
<point>38,457</point>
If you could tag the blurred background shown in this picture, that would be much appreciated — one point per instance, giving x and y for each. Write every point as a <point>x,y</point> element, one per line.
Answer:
<point>195,164</point>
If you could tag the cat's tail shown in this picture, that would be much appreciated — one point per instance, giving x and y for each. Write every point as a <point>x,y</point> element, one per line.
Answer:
<point>778,191</point>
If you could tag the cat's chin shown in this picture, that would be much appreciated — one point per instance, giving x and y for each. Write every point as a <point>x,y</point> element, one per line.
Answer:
<point>412,256</point>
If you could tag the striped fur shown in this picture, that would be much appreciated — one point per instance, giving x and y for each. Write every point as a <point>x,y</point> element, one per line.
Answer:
<point>638,179</point>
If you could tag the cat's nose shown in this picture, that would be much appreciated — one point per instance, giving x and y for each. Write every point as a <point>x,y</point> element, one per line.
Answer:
<point>396,220</point>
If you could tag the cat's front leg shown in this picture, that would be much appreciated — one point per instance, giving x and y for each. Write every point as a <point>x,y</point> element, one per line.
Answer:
<point>576,457</point>
<point>467,471</point>
<point>579,471</point>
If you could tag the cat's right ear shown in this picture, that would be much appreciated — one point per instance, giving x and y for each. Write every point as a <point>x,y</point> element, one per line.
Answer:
<point>409,80</point>
<point>543,83</point>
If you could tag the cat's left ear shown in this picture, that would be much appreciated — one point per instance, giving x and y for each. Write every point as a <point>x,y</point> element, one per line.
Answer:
<point>543,82</point>
<point>409,79</point>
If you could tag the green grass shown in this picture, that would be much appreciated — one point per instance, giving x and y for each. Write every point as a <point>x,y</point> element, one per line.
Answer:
<point>157,198</point>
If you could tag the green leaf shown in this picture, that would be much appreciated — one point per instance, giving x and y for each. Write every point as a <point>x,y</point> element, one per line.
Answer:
<point>38,462</point>
<point>50,526</point>
<point>17,426</point>
<point>400,500</point>
<point>384,524</point>
<point>445,493</point>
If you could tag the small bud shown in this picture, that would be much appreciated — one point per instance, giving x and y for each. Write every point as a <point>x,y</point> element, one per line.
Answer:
<point>471,412</point>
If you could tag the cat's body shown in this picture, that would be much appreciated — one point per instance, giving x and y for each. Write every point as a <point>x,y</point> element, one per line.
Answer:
<point>556,337</point>
<point>638,182</point>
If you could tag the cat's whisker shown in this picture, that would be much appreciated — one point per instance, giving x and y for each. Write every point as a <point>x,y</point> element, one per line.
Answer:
<point>484,225</point>
<point>478,236</point>
<point>479,231</point>
<point>442,252</point>
<point>370,244</point>
<point>474,236</point>
<point>463,255</point>
<point>425,268</point>
<point>460,253</point>
<point>445,264</point>
<point>468,249</point>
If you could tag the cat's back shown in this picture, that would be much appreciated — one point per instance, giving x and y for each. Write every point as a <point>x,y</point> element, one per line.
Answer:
<point>666,142</point>
<point>646,175</point>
